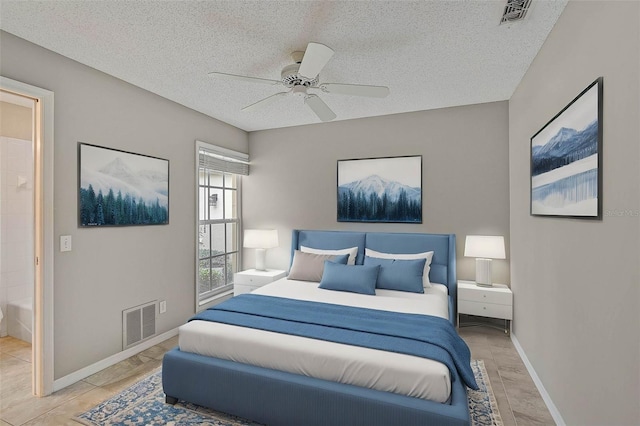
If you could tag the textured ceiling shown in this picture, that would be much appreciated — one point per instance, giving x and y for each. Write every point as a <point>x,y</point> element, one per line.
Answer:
<point>431,54</point>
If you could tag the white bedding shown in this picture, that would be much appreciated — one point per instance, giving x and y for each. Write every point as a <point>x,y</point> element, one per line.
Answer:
<point>371,368</point>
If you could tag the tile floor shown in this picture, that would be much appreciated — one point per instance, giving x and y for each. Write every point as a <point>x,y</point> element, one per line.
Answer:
<point>518,399</point>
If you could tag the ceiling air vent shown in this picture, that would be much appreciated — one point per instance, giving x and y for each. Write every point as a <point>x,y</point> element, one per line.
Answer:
<point>515,10</point>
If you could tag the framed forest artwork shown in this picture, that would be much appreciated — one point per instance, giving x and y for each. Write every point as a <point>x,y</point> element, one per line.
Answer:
<point>380,190</point>
<point>119,188</point>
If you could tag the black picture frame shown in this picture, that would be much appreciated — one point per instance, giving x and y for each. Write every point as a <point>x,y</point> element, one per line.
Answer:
<point>566,160</point>
<point>121,188</point>
<point>380,190</point>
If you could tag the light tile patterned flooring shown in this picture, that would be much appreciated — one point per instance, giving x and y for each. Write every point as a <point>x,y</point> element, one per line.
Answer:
<point>518,399</point>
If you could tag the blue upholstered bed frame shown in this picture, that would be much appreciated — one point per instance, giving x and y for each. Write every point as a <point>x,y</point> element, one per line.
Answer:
<point>279,398</point>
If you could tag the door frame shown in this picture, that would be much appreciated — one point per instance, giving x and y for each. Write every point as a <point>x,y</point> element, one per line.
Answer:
<point>42,346</point>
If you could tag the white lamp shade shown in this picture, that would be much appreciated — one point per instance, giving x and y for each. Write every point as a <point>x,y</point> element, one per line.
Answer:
<point>484,246</point>
<point>260,238</point>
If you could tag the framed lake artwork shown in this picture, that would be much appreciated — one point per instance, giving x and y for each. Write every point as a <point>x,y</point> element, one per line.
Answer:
<point>120,188</point>
<point>380,190</point>
<point>566,160</point>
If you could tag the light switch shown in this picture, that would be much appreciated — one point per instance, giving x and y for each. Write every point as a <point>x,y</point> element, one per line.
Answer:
<point>65,242</point>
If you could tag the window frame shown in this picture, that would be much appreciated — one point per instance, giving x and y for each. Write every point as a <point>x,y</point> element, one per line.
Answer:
<point>206,299</point>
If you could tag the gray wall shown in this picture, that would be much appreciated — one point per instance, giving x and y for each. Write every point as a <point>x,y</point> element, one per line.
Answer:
<point>116,268</point>
<point>464,165</point>
<point>576,282</point>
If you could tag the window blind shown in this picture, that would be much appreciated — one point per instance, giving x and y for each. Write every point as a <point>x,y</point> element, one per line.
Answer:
<point>224,160</point>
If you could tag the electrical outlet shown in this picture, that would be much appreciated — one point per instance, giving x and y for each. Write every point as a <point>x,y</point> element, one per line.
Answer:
<point>163,306</point>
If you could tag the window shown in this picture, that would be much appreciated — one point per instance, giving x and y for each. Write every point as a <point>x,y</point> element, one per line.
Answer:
<point>219,219</point>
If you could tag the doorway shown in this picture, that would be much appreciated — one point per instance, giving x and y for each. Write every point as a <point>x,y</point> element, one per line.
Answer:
<point>37,185</point>
<point>17,274</point>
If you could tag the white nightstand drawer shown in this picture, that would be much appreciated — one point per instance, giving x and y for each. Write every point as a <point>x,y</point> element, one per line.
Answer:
<point>242,289</point>
<point>490,310</point>
<point>253,280</point>
<point>474,293</point>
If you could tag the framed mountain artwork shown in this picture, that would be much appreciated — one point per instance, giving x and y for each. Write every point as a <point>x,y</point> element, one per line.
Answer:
<point>119,188</point>
<point>380,190</point>
<point>566,160</point>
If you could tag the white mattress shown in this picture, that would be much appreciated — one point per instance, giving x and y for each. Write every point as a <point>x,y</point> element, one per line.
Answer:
<point>371,368</point>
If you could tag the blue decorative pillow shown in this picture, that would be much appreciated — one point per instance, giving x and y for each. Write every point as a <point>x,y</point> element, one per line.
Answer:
<point>342,259</point>
<point>396,274</point>
<point>353,278</point>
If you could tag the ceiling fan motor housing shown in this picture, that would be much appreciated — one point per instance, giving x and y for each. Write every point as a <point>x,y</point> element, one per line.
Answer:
<point>291,77</point>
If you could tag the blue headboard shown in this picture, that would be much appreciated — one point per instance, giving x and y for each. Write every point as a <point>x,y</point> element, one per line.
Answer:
<point>443,265</point>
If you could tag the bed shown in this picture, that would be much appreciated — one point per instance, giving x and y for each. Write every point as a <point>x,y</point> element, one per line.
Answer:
<point>275,397</point>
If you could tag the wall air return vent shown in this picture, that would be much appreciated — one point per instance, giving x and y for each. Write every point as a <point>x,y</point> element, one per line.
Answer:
<point>138,323</point>
<point>515,10</point>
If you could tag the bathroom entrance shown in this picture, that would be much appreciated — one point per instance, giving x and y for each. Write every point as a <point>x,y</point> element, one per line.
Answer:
<point>17,223</point>
<point>16,216</point>
<point>26,228</point>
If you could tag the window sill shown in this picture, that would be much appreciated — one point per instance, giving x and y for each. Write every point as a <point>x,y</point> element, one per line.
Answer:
<point>214,300</point>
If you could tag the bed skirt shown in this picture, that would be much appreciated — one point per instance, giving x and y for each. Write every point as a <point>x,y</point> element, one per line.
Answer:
<point>275,398</point>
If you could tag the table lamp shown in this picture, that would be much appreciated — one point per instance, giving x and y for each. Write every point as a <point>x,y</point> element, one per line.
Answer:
<point>261,240</point>
<point>484,248</point>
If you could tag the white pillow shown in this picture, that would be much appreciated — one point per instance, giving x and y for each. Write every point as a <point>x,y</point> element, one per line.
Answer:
<point>426,255</point>
<point>352,252</point>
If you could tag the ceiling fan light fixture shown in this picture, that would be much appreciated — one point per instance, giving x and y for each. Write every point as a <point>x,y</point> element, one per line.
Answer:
<point>299,91</point>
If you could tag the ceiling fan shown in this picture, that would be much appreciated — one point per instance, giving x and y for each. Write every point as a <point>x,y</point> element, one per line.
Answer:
<point>302,76</point>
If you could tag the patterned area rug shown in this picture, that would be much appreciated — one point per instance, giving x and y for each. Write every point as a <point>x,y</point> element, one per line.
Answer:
<point>143,404</point>
<point>483,408</point>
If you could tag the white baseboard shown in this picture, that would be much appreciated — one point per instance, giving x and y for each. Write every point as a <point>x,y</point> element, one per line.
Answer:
<point>85,372</point>
<point>543,392</point>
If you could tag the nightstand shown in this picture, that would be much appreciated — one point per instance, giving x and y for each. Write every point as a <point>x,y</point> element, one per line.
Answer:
<point>251,279</point>
<point>490,302</point>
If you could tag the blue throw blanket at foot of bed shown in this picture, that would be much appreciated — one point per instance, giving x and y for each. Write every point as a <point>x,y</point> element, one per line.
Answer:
<point>412,334</point>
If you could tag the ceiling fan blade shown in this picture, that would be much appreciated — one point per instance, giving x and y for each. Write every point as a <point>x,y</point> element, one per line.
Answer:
<point>315,58</point>
<point>244,78</point>
<point>264,101</point>
<point>355,90</point>
<point>321,109</point>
